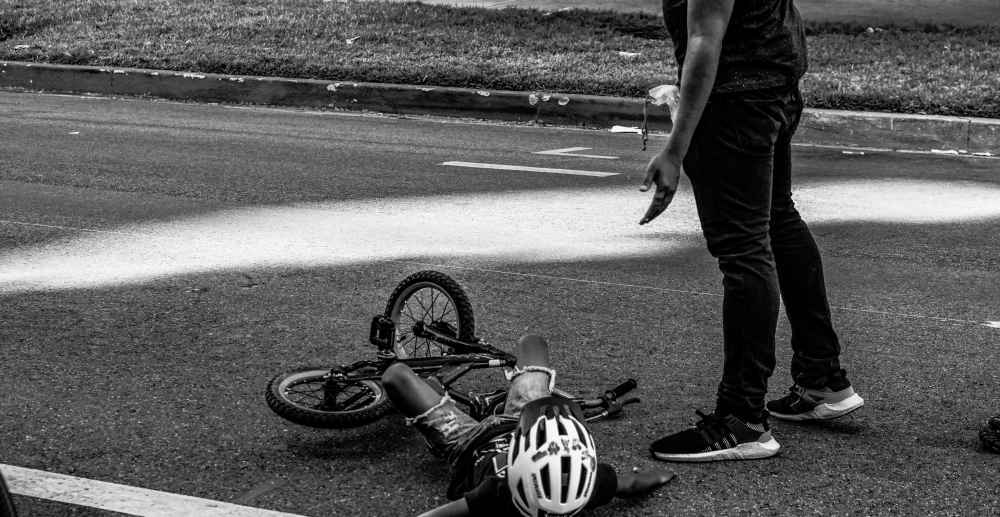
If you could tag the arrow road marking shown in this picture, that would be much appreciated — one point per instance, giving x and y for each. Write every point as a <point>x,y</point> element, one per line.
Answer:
<point>572,151</point>
<point>525,168</point>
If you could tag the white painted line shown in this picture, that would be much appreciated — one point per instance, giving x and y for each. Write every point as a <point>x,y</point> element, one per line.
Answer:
<point>846,147</point>
<point>932,152</point>
<point>120,498</point>
<point>992,324</point>
<point>68,228</point>
<point>625,129</point>
<point>572,151</point>
<point>525,168</point>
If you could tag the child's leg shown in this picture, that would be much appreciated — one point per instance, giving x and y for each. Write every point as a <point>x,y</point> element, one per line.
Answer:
<point>408,392</point>
<point>532,379</point>
<point>436,417</point>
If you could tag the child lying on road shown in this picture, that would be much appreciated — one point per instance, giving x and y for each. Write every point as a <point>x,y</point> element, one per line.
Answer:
<point>535,459</point>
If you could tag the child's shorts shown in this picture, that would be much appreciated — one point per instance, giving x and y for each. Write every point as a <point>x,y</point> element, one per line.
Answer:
<point>448,430</point>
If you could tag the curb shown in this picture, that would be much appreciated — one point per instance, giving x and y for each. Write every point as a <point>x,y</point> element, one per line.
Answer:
<point>962,135</point>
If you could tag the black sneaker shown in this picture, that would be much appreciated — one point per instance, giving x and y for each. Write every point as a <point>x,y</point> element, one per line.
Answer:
<point>807,404</point>
<point>715,438</point>
<point>990,435</point>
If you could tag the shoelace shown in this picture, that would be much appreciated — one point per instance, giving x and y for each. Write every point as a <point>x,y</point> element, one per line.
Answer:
<point>707,419</point>
<point>798,392</point>
<point>715,431</point>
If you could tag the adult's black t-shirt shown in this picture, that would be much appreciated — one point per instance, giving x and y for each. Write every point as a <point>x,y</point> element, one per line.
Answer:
<point>764,46</point>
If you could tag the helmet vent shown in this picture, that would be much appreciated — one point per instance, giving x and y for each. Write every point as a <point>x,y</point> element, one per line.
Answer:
<point>584,475</point>
<point>564,492</point>
<point>579,429</point>
<point>540,433</point>
<point>546,486</point>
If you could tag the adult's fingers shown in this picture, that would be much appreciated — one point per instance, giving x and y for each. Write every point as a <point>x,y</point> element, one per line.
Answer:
<point>651,173</point>
<point>661,200</point>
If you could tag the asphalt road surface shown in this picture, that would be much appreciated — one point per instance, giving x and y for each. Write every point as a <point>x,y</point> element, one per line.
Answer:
<point>160,261</point>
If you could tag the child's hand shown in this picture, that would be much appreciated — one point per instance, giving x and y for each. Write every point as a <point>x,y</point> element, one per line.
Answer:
<point>640,483</point>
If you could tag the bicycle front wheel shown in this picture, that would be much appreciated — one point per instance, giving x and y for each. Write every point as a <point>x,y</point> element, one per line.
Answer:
<point>436,300</point>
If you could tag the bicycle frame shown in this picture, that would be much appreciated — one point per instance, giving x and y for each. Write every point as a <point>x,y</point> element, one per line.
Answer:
<point>447,369</point>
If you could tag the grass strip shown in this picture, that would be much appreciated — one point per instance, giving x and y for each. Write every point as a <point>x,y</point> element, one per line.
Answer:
<point>917,68</point>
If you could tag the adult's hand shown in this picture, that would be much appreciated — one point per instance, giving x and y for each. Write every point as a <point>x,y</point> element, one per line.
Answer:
<point>665,171</point>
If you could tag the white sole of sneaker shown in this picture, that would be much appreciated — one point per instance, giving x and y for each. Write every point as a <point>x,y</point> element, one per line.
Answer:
<point>826,411</point>
<point>743,451</point>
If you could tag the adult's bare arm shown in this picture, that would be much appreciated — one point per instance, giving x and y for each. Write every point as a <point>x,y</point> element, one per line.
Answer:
<point>707,21</point>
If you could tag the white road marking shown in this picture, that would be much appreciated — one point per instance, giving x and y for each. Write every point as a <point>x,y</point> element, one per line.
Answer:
<point>120,498</point>
<point>61,227</point>
<point>923,152</point>
<point>992,324</point>
<point>845,147</point>
<point>525,168</point>
<point>626,129</point>
<point>572,151</point>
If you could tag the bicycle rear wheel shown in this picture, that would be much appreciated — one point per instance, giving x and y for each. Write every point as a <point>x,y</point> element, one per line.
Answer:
<point>439,302</point>
<point>306,397</point>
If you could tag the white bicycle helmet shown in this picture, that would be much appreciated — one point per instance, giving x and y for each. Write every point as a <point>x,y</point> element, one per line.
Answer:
<point>551,462</point>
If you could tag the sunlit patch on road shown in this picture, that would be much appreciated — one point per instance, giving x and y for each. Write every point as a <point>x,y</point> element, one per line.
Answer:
<point>898,201</point>
<point>511,227</point>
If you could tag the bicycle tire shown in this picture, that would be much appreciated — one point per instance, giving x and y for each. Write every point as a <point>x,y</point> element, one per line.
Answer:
<point>464,326</point>
<point>319,414</point>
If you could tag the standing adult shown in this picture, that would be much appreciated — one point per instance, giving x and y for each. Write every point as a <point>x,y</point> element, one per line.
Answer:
<point>740,63</point>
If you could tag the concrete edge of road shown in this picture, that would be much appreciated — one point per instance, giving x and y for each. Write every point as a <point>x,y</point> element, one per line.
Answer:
<point>954,135</point>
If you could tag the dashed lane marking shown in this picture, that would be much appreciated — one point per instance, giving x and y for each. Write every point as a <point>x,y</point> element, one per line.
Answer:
<point>920,152</point>
<point>525,168</point>
<point>120,498</point>
<point>573,152</point>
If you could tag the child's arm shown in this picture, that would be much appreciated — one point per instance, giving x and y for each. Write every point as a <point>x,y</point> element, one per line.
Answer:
<point>457,508</point>
<point>639,483</point>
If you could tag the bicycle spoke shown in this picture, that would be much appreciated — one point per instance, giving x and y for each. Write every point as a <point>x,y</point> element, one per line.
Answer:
<point>363,393</point>
<point>409,313</point>
<point>402,344</point>
<point>304,392</point>
<point>434,298</point>
<point>417,297</point>
<point>428,305</point>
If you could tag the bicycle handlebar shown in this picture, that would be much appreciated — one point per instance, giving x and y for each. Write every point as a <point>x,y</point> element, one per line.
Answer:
<point>609,402</point>
<point>621,389</point>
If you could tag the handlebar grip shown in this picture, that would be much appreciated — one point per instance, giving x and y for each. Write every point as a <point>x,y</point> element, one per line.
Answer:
<point>621,389</point>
